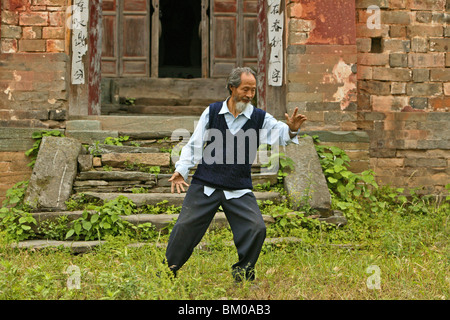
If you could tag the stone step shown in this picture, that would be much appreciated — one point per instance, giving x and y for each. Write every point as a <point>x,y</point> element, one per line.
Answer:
<point>100,149</point>
<point>175,199</point>
<point>125,110</point>
<point>79,247</point>
<point>121,160</point>
<point>152,184</point>
<point>167,91</point>
<point>160,221</point>
<point>116,176</point>
<point>149,126</point>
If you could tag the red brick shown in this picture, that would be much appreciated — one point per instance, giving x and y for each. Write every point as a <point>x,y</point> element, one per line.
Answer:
<point>364,73</point>
<point>388,103</point>
<point>373,59</point>
<point>395,17</point>
<point>31,33</point>
<point>57,19</point>
<point>10,17</point>
<point>391,74</point>
<point>13,32</point>
<point>15,5</point>
<point>363,32</point>
<point>53,33</point>
<point>32,45</point>
<point>421,31</point>
<point>447,89</point>
<point>426,60</point>
<point>9,46</point>
<point>440,74</point>
<point>426,4</point>
<point>55,45</point>
<point>440,103</point>
<point>33,18</point>
<point>49,2</point>
<point>38,8</point>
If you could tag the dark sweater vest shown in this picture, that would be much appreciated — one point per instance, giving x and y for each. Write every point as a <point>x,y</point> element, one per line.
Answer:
<point>232,170</point>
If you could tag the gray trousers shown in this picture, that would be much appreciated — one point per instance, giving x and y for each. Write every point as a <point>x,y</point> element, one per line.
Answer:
<point>243,215</point>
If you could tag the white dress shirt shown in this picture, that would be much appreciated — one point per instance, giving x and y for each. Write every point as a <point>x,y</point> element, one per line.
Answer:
<point>191,153</point>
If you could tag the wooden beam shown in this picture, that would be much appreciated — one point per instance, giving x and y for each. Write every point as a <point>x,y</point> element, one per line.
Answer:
<point>205,38</point>
<point>95,57</point>
<point>262,59</point>
<point>155,40</point>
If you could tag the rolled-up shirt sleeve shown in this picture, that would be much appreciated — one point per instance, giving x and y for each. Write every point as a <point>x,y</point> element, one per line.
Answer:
<point>276,132</point>
<point>192,152</point>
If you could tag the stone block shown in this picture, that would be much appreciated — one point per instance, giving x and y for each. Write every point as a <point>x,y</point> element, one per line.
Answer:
<point>86,125</point>
<point>85,162</point>
<point>53,173</point>
<point>307,185</point>
<point>58,115</point>
<point>148,159</point>
<point>88,137</point>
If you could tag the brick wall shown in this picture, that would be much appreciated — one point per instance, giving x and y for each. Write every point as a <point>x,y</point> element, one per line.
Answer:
<point>33,26</point>
<point>321,63</point>
<point>394,83</point>
<point>403,91</point>
<point>13,168</point>
<point>33,63</point>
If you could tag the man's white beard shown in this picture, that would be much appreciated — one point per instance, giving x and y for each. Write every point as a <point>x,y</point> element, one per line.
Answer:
<point>240,106</point>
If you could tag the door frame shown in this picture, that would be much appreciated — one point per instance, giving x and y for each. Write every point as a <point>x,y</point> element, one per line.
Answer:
<point>156,26</point>
<point>95,41</point>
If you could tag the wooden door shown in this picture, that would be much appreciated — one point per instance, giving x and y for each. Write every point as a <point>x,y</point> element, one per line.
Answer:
<point>110,46</point>
<point>233,35</point>
<point>126,38</point>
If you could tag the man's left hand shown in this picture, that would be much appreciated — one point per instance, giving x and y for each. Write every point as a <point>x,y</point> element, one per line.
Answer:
<point>295,121</point>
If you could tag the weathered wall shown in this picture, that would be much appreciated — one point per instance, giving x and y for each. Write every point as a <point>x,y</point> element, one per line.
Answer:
<point>405,62</point>
<point>33,62</point>
<point>408,67</point>
<point>321,63</point>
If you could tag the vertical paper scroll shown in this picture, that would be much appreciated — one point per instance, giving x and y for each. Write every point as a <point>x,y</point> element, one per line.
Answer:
<point>275,21</point>
<point>80,16</point>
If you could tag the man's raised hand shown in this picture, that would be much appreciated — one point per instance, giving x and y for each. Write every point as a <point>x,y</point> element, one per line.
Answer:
<point>295,121</point>
<point>177,182</point>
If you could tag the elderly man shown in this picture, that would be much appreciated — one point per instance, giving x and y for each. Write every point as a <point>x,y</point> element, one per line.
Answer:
<point>226,183</point>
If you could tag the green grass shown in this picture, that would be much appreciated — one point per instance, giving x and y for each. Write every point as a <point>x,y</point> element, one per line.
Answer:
<point>410,249</point>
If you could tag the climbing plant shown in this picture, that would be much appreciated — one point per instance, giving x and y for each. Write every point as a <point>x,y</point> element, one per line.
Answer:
<point>38,135</point>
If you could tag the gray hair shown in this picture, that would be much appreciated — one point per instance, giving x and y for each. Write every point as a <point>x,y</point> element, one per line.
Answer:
<point>234,79</point>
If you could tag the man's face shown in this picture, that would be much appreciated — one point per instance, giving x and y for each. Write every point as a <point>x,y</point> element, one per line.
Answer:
<point>246,90</point>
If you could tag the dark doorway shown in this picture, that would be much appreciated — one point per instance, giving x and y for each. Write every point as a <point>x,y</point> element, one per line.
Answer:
<point>180,41</point>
